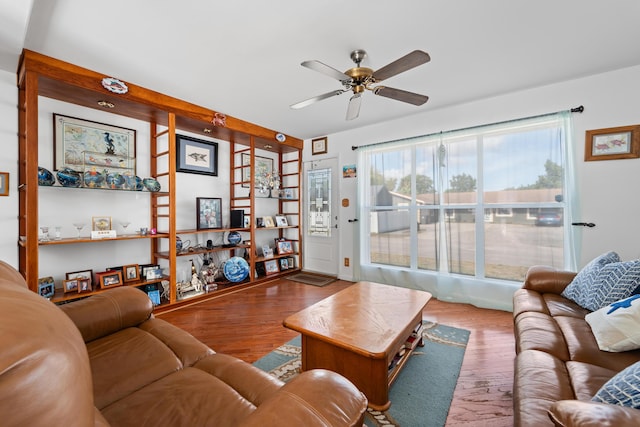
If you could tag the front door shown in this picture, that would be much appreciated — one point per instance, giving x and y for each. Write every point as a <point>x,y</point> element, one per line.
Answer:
<point>321,216</point>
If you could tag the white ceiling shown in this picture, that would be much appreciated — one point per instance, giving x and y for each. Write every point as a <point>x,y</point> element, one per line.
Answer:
<point>242,57</point>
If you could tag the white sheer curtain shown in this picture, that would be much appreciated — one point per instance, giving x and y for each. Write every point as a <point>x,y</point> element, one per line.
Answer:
<point>463,214</point>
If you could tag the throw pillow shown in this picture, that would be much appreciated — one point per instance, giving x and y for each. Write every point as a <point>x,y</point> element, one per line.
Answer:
<point>623,389</point>
<point>616,327</point>
<point>578,290</point>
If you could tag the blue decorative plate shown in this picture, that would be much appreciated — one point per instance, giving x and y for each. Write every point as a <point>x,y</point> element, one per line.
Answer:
<point>45,177</point>
<point>236,269</point>
<point>234,238</point>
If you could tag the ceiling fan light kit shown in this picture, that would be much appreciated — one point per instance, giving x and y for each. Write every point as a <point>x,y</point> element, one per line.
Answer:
<point>358,79</point>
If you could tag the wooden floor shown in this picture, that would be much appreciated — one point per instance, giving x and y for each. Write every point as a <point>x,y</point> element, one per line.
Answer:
<point>248,325</point>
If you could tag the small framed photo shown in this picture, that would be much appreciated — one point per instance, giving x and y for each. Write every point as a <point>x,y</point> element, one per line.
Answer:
<point>101,223</point>
<point>109,279</point>
<point>131,273</point>
<point>84,285</point>
<point>70,286</point>
<point>4,183</point>
<point>196,156</point>
<point>83,274</point>
<point>612,143</point>
<point>284,264</point>
<point>285,247</point>
<point>268,222</point>
<point>271,267</point>
<point>209,213</point>
<point>319,145</point>
<point>267,251</point>
<point>46,287</point>
<point>281,221</point>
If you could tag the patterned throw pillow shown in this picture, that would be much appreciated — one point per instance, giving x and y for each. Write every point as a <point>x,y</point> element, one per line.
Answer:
<point>579,288</point>
<point>623,389</point>
<point>616,327</point>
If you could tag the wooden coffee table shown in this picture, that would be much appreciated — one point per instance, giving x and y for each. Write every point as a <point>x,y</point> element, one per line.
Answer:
<point>359,331</point>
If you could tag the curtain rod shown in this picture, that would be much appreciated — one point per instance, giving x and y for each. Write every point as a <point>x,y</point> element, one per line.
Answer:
<point>578,109</point>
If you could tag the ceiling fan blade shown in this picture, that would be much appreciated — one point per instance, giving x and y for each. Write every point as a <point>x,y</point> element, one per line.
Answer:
<point>353,110</point>
<point>326,70</point>
<point>400,95</point>
<point>315,99</point>
<point>407,62</point>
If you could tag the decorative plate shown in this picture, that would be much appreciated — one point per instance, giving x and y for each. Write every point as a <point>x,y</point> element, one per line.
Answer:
<point>151,184</point>
<point>234,237</point>
<point>236,269</point>
<point>45,177</point>
<point>114,85</point>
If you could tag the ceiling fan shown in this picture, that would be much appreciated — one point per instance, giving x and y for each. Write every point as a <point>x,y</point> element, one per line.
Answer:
<point>359,78</point>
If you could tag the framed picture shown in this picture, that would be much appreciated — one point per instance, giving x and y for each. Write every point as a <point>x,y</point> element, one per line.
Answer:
<point>209,213</point>
<point>46,287</point>
<point>131,273</point>
<point>196,156</point>
<point>70,286</point>
<point>268,221</point>
<point>285,247</point>
<point>87,275</point>
<point>109,279</point>
<point>271,267</point>
<point>101,223</point>
<point>281,221</point>
<point>319,145</point>
<point>4,183</point>
<point>74,136</point>
<point>284,264</point>
<point>263,166</point>
<point>612,143</point>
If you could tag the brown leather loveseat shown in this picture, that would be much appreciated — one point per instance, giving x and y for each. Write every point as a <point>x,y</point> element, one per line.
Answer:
<point>559,366</point>
<point>106,360</point>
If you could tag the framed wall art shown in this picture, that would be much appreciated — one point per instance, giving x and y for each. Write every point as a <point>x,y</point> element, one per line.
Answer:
<point>196,156</point>
<point>612,143</point>
<point>73,137</point>
<point>263,167</point>
<point>4,183</point>
<point>209,213</point>
<point>319,145</point>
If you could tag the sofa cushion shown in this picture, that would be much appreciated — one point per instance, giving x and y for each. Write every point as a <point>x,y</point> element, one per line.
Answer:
<point>623,389</point>
<point>617,326</point>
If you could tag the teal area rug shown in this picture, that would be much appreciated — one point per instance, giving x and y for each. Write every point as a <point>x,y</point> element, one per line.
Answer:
<point>422,393</point>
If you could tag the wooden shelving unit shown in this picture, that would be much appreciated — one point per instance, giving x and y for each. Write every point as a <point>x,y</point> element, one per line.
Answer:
<point>42,76</point>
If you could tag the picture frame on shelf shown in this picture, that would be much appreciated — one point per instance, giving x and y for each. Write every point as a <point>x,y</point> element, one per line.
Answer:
<point>73,136</point>
<point>70,286</point>
<point>197,156</point>
<point>285,247</point>
<point>46,287</point>
<point>101,223</point>
<point>281,221</point>
<point>109,279</point>
<point>4,183</point>
<point>612,143</point>
<point>131,273</point>
<point>319,145</point>
<point>262,166</point>
<point>82,274</point>
<point>268,222</point>
<point>84,285</point>
<point>271,267</point>
<point>284,264</point>
<point>208,213</point>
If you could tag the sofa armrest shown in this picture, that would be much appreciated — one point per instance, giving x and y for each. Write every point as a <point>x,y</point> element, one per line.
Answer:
<point>546,279</point>
<point>314,398</point>
<point>108,312</point>
<point>592,414</point>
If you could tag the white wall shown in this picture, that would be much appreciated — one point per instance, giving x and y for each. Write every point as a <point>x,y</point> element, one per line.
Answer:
<point>606,188</point>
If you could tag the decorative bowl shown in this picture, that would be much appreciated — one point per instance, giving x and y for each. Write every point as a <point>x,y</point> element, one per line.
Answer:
<point>134,183</point>
<point>45,177</point>
<point>236,269</point>
<point>234,238</point>
<point>69,178</point>
<point>93,179</point>
<point>114,180</point>
<point>151,184</point>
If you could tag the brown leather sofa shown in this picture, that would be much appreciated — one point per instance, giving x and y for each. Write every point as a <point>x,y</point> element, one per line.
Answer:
<point>108,361</point>
<point>558,366</point>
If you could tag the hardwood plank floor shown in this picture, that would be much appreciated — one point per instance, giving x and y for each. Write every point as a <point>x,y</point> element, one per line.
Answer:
<point>248,324</point>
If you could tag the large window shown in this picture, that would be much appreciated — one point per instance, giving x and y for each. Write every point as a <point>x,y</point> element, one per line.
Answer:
<point>488,202</point>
